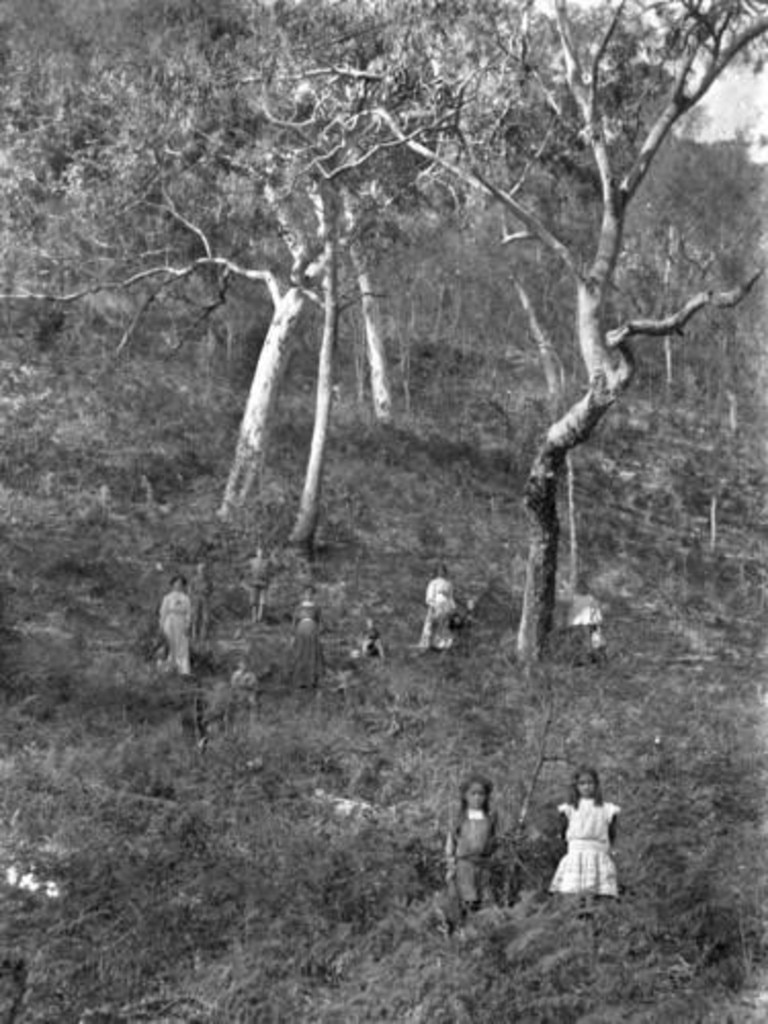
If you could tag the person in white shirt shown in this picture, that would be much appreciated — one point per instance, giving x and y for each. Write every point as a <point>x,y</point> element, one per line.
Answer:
<point>436,634</point>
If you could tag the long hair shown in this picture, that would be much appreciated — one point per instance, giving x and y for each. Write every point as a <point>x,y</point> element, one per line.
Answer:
<point>476,779</point>
<point>573,790</point>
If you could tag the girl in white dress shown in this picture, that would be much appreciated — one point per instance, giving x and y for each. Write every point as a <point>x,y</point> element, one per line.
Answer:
<point>175,622</point>
<point>436,633</point>
<point>589,827</point>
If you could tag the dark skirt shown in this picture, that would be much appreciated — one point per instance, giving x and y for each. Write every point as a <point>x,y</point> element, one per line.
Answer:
<point>305,668</point>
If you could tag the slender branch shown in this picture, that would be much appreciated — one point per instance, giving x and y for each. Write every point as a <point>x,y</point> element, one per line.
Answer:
<point>722,60</point>
<point>679,103</point>
<point>474,178</point>
<point>136,319</point>
<point>295,126</point>
<point>586,100</point>
<point>599,54</point>
<point>531,162</point>
<point>549,96</point>
<point>343,72</point>
<point>264,276</point>
<point>525,216</point>
<point>169,207</point>
<point>351,165</point>
<point>541,758</point>
<point>516,236</point>
<point>675,322</point>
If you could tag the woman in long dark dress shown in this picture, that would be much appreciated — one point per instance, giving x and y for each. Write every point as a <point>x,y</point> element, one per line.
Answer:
<point>306,658</point>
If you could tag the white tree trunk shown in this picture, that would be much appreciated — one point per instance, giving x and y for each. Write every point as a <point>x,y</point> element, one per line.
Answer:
<point>303,533</point>
<point>381,392</point>
<point>550,363</point>
<point>256,422</point>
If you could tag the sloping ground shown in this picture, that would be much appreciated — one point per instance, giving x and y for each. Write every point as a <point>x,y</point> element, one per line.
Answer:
<point>240,886</point>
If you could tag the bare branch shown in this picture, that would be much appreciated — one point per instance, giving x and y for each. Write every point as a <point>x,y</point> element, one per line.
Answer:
<point>474,178</point>
<point>675,322</point>
<point>672,111</point>
<point>573,70</point>
<point>586,100</point>
<point>174,274</point>
<point>169,207</point>
<point>295,126</point>
<point>541,758</point>
<point>600,53</point>
<point>516,236</point>
<point>343,72</point>
<point>531,162</point>
<point>526,217</point>
<point>136,319</point>
<point>549,96</point>
<point>679,103</point>
<point>723,59</point>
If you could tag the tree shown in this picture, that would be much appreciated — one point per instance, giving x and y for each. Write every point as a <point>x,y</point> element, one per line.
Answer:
<point>381,392</point>
<point>303,533</point>
<point>614,87</point>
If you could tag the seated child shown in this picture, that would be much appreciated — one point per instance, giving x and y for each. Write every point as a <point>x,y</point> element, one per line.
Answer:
<point>371,645</point>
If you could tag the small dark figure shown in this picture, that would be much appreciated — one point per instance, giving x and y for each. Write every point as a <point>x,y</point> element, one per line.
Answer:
<point>175,620</point>
<point>463,616</point>
<point>232,700</point>
<point>257,584</point>
<point>306,657</point>
<point>588,825</point>
<point>371,645</point>
<point>193,713</point>
<point>468,849</point>
<point>201,593</point>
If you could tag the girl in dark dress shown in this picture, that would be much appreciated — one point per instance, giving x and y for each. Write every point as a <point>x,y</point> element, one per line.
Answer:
<point>468,849</point>
<point>306,656</point>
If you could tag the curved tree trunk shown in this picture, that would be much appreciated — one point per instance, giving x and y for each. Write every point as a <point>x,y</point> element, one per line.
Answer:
<point>254,427</point>
<point>610,372</point>
<point>303,533</point>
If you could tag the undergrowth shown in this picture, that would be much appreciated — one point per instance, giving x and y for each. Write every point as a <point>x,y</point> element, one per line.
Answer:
<point>233,886</point>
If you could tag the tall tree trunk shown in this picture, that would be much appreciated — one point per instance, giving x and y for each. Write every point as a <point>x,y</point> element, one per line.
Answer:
<point>573,568</point>
<point>541,569</point>
<point>381,393</point>
<point>254,427</point>
<point>610,371</point>
<point>303,533</point>
<point>550,363</point>
<point>667,287</point>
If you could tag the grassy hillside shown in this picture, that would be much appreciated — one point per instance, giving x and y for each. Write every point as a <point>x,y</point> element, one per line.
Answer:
<point>228,887</point>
